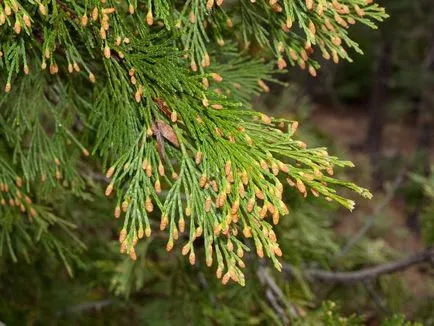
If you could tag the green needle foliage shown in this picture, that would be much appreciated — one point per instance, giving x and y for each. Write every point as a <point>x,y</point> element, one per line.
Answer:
<point>156,93</point>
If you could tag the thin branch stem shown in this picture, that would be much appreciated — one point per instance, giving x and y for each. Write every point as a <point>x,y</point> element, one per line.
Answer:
<point>367,273</point>
<point>376,297</point>
<point>275,296</point>
<point>86,306</point>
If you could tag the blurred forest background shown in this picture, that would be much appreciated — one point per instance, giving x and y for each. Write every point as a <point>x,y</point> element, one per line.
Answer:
<point>378,112</point>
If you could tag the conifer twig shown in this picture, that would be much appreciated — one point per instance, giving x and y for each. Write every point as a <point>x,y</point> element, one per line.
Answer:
<point>369,273</point>
<point>275,295</point>
<point>379,301</point>
<point>79,308</point>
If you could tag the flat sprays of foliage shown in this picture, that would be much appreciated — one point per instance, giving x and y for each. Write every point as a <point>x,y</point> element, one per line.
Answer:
<point>156,94</point>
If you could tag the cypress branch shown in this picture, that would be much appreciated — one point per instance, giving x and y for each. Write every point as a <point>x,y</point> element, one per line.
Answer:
<point>143,87</point>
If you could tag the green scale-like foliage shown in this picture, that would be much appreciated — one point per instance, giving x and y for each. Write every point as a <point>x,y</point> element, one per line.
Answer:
<point>156,93</point>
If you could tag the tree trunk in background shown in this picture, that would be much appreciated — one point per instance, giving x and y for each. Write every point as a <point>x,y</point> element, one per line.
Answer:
<point>425,130</point>
<point>378,107</point>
